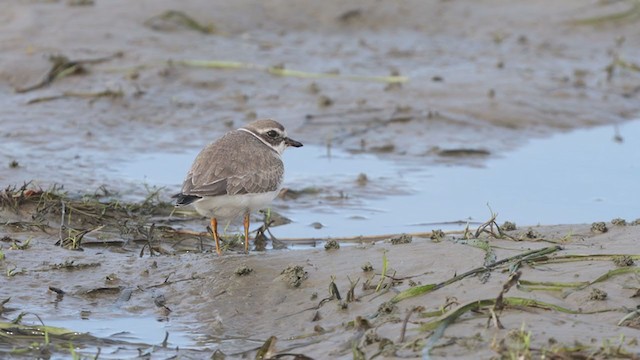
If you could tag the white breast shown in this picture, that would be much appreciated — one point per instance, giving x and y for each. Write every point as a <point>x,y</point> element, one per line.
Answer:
<point>231,206</point>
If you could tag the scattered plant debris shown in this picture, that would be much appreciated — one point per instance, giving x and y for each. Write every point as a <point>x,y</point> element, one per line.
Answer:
<point>516,344</point>
<point>111,94</point>
<point>351,294</point>
<point>385,267</point>
<point>72,265</point>
<point>491,228</point>
<point>19,245</point>
<point>80,2</point>
<point>281,71</point>
<point>463,152</point>
<point>2,305</point>
<point>334,293</point>
<point>513,262</point>
<point>629,15</point>
<point>499,305</point>
<point>172,20</point>
<point>268,349</point>
<point>631,320</point>
<point>62,66</point>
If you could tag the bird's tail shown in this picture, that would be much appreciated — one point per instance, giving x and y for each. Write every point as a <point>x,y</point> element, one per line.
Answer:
<point>182,199</point>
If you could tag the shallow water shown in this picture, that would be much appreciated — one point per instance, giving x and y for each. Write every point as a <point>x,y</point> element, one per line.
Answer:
<point>577,177</point>
<point>465,89</point>
<point>144,330</point>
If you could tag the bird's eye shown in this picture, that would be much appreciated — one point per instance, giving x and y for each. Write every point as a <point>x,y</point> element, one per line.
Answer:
<point>272,133</point>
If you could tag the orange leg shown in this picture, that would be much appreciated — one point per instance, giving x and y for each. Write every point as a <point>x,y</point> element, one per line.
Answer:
<point>216,238</point>
<point>246,233</point>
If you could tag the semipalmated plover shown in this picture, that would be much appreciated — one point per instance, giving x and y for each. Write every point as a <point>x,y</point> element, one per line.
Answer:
<point>237,174</point>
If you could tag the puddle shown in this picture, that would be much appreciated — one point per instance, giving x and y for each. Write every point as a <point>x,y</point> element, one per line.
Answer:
<point>578,177</point>
<point>118,338</point>
<point>146,330</point>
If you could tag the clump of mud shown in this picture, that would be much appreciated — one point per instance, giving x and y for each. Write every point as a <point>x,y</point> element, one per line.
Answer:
<point>387,308</point>
<point>294,275</point>
<point>243,270</point>
<point>597,295</point>
<point>532,234</point>
<point>332,245</point>
<point>366,267</point>
<point>437,235</point>
<point>402,239</point>
<point>623,261</point>
<point>619,222</point>
<point>362,179</point>
<point>599,227</point>
<point>509,226</point>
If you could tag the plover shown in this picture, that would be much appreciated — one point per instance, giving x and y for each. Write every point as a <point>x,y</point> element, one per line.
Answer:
<point>237,174</point>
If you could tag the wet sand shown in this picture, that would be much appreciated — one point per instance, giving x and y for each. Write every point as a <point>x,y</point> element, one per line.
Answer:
<point>575,284</point>
<point>484,76</point>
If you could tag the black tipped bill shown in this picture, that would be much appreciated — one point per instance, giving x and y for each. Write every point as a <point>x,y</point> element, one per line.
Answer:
<point>291,142</point>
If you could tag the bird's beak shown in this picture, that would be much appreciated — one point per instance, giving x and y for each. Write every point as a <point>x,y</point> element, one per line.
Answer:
<point>291,142</point>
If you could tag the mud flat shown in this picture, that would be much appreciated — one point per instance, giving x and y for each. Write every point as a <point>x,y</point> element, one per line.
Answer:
<point>493,290</point>
<point>393,78</point>
<point>95,265</point>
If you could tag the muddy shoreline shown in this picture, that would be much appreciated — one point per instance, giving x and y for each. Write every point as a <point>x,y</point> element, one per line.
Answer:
<point>393,297</point>
<point>411,80</point>
<point>487,85</point>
